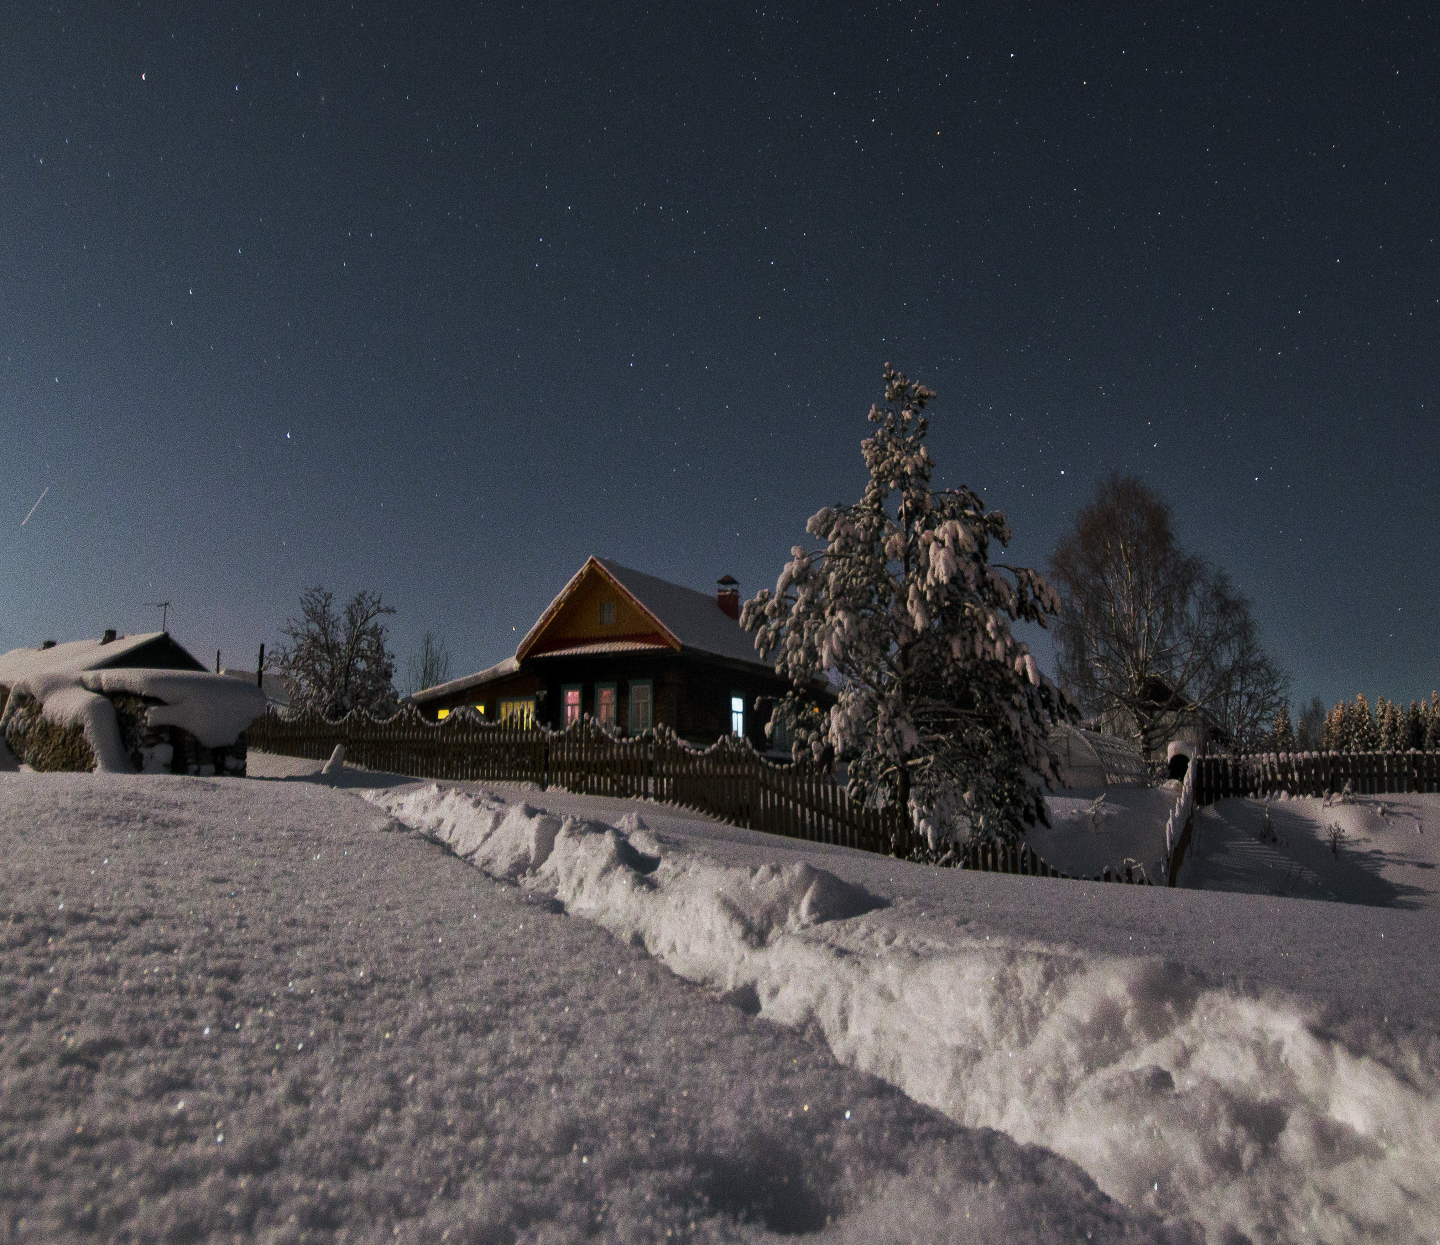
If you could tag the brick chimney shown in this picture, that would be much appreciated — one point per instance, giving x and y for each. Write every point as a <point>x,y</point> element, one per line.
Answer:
<point>727,596</point>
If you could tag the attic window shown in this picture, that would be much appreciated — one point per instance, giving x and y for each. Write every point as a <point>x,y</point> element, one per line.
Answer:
<point>607,613</point>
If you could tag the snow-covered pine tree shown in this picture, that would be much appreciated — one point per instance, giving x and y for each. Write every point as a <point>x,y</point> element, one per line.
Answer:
<point>1391,726</point>
<point>940,711</point>
<point>1432,724</point>
<point>1336,738</point>
<point>1282,732</point>
<point>1364,734</point>
<point>339,663</point>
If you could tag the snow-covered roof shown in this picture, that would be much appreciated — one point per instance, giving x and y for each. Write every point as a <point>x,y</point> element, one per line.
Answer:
<point>694,618</point>
<point>73,681</point>
<point>276,687</point>
<point>497,671</point>
<point>76,655</point>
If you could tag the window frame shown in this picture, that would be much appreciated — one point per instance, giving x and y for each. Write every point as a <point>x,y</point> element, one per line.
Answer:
<point>614,689</point>
<point>649,686</point>
<point>740,697</point>
<point>607,607</point>
<point>565,690</point>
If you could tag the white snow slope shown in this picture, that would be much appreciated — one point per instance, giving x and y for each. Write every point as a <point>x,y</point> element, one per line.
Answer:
<point>1178,1093</point>
<point>1224,1066</point>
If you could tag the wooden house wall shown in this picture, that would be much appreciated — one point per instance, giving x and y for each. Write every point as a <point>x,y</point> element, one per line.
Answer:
<point>690,693</point>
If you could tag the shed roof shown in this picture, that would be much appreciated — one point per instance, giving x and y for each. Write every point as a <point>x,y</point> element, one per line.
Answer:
<point>153,649</point>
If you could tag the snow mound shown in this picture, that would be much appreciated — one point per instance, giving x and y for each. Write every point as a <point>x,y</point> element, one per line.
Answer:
<point>503,840</point>
<point>211,707</point>
<point>1189,1100</point>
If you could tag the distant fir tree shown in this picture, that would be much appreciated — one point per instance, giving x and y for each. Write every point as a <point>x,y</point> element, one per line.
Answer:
<point>1391,725</point>
<point>1432,724</point>
<point>339,662</point>
<point>940,711</point>
<point>1363,731</point>
<point>1335,736</point>
<point>1414,727</point>
<point>1282,734</point>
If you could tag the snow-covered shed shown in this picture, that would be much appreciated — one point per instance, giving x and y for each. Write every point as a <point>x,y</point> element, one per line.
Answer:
<point>634,652</point>
<point>1095,759</point>
<point>122,704</point>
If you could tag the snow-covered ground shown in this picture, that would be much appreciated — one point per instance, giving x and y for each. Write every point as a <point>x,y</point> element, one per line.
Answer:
<point>1217,1064</point>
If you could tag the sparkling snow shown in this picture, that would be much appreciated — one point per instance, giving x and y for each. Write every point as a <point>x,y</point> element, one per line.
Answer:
<point>455,1014</point>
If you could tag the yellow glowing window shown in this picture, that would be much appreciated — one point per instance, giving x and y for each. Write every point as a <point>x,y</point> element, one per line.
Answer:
<point>444,713</point>
<point>518,712</point>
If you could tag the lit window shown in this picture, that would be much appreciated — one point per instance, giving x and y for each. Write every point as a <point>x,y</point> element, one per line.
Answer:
<point>520,712</point>
<point>605,705</point>
<point>607,613</point>
<point>572,705</point>
<point>443,714</point>
<point>480,709</point>
<point>641,718</point>
<point>737,715</point>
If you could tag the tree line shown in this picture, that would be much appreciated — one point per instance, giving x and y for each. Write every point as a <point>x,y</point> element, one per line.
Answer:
<point>1353,727</point>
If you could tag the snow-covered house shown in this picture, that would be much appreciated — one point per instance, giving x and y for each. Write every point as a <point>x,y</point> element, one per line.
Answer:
<point>122,704</point>
<point>633,652</point>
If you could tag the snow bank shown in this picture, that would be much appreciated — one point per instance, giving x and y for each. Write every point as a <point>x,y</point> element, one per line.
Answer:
<point>1188,1100</point>
<point>211,707</point>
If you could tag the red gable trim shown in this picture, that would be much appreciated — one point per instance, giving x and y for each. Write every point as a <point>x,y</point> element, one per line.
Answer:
<point>532,641</point>
<point>640,639</point>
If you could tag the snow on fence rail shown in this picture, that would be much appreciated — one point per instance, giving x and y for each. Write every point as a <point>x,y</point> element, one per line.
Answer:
<point>1316,774</point>
<point>729,780</point>
<point>1180,828</point>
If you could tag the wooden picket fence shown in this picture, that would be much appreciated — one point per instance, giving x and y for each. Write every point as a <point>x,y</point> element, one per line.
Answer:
<point>1021,858</point>
<point>728,781</point>
<point>1316,774</point>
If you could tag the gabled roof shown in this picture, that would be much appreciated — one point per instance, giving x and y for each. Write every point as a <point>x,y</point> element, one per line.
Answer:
<point>153,649</point>
<point>694,618</point>
<point>682,618</point>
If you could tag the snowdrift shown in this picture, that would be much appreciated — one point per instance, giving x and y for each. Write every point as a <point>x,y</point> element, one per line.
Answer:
<point>1189,1100</point>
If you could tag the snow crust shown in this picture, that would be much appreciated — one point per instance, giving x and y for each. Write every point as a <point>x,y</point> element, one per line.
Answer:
<point>250,1010</point>
<point>1189,1099</point>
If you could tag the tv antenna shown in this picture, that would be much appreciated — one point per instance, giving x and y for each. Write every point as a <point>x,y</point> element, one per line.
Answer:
<point>164,608</point>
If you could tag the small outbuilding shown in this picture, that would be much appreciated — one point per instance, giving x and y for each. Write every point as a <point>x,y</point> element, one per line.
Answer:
<point>123,704</point>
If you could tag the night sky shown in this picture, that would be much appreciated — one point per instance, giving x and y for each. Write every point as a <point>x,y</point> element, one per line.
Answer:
<point>439,303</point>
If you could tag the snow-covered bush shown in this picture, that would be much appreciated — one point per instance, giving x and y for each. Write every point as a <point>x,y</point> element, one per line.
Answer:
<point>938,709</point>
<point>41,744</point>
